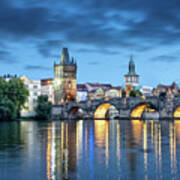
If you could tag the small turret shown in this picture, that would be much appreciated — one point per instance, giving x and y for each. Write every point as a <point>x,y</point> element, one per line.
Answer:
<point>72,61</point>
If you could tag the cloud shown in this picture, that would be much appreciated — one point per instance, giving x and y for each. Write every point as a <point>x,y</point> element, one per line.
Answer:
<point>136,25</point>
<point>165,58</point>
<point>6,57</point>
<point>100,51</point>
<point>94,63</point>
<point>106,23</point>
<point>49,48</point>
<point>36,67</point>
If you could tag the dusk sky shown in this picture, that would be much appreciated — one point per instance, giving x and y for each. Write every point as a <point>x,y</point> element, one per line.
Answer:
<point>100,34</point>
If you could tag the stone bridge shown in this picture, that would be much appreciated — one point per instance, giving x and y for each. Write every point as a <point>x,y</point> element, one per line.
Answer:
<point>125,108</point>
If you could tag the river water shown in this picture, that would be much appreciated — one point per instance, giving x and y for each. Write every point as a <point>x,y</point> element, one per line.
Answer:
<point>89,149</point>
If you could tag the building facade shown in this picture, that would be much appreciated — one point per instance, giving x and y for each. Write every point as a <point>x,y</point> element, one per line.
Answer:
<point>169,90</point>
<point>65,79</point>
<point>82,93</point>
<point>147,90</point>
<point>34,88</point>
<point>47,89</point>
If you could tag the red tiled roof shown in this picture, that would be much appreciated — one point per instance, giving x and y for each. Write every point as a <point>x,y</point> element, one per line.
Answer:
<point>99,85</point>
<point>117,87</point>
<point>92,91</point>
<point>167,87</point>
<point>81,87</point>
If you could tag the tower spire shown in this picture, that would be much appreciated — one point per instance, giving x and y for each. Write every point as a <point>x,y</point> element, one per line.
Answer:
<point>64,57</point>
<point>131,65</point>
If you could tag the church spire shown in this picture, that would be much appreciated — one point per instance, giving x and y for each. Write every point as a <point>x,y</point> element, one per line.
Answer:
<point>64,57</point>
<point>131,66</point>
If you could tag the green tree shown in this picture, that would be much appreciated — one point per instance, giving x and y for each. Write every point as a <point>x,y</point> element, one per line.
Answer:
<point>133,93</point>
<point>3,88</point>
<point>44,108</point>
<point>139,93</point>
<point>7,109</point>
<point>17,93</point>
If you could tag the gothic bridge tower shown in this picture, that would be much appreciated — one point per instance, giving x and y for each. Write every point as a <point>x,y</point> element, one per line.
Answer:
<point>65,79</point>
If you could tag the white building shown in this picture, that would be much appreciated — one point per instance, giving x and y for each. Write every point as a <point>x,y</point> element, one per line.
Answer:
<point>82,93</point>
<point>147,90</point>
<point>34,88</point>
<point>47,89</point>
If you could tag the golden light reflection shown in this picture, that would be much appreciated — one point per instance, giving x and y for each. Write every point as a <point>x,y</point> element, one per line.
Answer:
<point>118,145</point>
<point>177,113</point>
<point>51,153</point>
<point>145,146</point>
<point>107,144</point>
<point>156,146</point>
<point>100,132</point>
<point>160,151</point>
<point>152,133</point>
<point>137,130</point>
<point>172,136</point>
<point>137,112</point>
<point>177,129</point>
<point>101,111</point>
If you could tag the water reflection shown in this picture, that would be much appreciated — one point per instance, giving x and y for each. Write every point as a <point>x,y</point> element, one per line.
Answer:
<point>97,149</point>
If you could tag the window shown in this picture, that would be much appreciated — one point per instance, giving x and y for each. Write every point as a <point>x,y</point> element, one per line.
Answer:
<point>35,86</point>
<point>69,84</point>
<point>35,94</point>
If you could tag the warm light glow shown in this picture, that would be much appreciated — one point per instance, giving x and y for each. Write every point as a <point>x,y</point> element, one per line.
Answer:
<point>177,113</point>
<point>177,128</point>
<point>101,111</point>
<point>107,145</point>
<point>137,130</point>
<point>152,133</point>
<point>145,146</point>
<point>51,153</point>
<point>118,145</point>
<point>137,112</point>
<point>172,136</point>
<point>100,132</point>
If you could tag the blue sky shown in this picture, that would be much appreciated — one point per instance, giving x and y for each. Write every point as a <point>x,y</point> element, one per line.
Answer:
<point>100,34</point>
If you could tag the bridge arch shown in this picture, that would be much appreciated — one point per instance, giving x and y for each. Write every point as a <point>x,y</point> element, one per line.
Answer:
<point>138,110</point>
<point>102,111</point>
<point>75,112</point>
<point>176,112</point>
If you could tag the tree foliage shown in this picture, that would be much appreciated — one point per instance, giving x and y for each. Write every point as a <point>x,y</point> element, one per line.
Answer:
<point>17,93</point>
<point>13,95</point>
<point>3,88</point>
<point>44,108</point>
<point>132,93</point>
<point>135,93</point>
<point>7,109</point>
